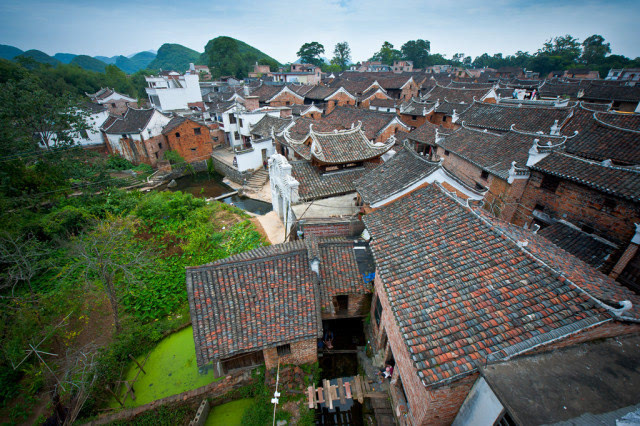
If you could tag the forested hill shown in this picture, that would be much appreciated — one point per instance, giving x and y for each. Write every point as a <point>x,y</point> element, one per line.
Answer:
<point>229,56</point>
<point>174,57</point>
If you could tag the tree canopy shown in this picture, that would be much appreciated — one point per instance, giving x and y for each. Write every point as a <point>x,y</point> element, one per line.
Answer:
<point>341,55</point>
<point>309,53</point>
<point>417,51</point>
<point>387,54</point>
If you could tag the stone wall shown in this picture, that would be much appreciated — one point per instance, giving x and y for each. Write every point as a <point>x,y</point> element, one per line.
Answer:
<point>302,352</point>
<point>190,398</point>
<point>230,172</point>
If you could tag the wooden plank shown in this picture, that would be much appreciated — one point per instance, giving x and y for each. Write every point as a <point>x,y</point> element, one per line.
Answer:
<point>333,391</point>
<point>312,400</point>
<point>320,395</point>
<point>360,389</point>
<point>130,389</point>
<point>367,388</point>
<point>376,395</point>
<point>347,389</point>
<point>327,387</point>
<point>341,391</point>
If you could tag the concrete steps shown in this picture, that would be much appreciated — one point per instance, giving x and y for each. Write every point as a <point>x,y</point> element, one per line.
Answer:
<point>257,181</point>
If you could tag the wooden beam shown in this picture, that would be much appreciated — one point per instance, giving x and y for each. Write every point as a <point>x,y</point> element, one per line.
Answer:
<point>312,400</point>
<point>320,395</point>
<point>347,389</point>
<point>333,392</point>
<point>114,395</point>
<point>327,386</point>
<point>341,391</point>
<point>137,363</point>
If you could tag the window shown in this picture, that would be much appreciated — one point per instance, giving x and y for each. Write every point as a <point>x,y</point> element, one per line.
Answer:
<point>414,117</point>
<point>378,312</point>
<point>287,103</point>
<point>484,175</point>
<point>539,207</point>
<point>113,104</point>
<point>240,122</point>
<point>84,134</point>
<point>342,303</point>
<point>159,145</point>
<point>550,183</point>
<point>197,131</point>
<point>446,152</point>
<point>479,187</point>
<point>124,136</point>
<point>177,134</point>
<point>444,118</point>
<point>194,149</point>
<point>504,420</point>
<point>609,205</point>
<point>284,350</point>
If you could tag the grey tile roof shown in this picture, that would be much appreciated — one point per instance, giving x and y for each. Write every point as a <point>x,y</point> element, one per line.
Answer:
<point>259,299</point>
<point>501,117</point>
<point>618,181</point>
<point>461,289</point>
<point>455,94</point>
<point>314,184</point>
<point>263,127</point>
<point>133,121</point>
<point>584,246</point>
<point>397,174</point>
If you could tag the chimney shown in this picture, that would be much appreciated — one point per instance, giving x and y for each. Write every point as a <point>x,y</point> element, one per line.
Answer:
<point>251,103</point>
<point>628,254</point>
<point>285,112</point>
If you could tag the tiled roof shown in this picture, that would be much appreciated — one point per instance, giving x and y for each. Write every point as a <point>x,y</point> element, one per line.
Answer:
<point>395,175</point>
<point>617,181</point>
<point>301,89</point>
<point>416,107</point>
<point>134,121</point>
<point>456,95</point>
<point>501,117</point>
<point>425,133</point>
<point>265,92</point>
<point>339,273</point>
<point>603,136</point>
<point>584,246</point>
<point>570,267</point>
<point>493,152</point>
<point>108,122</point>
<point>263,127</point>
<point>609,92</point>
<point>252,301</point>
<point>373,122</point>
<point>383,103</point>
<point>448,108</point>
<point>175,122</point>
<point>93,108</point>
<point>320,93</point>
<point>470,85</point>
<point>554,89</point>
<point>460,290</point>
<point>315,184</point>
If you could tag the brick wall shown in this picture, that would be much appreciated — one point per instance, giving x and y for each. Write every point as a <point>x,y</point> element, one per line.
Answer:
<point>580,205</point>
<point>339,99</point>
<point>343,228</point>
<point>409,120</point>
<point>302,352</point>
<point>440,119</point>
<point>192,147</point>
<point>313,115</point>
<point>388,132</point>
<point>365,104</point>
<point>358,306</point>
<point>119,107</point>
<point>284,99</point>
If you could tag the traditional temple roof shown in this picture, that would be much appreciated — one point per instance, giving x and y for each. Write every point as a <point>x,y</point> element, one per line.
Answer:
<point>462,289</point>
<point>415,107</point>
<point>339,146</point>
<point>397,174</point>
<point>373,122</point>
<point>618,181</point>
<point>315,184</point>
<point>502,117</point>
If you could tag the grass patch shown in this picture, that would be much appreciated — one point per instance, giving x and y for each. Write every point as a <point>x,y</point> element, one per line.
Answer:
<point>229,414</point>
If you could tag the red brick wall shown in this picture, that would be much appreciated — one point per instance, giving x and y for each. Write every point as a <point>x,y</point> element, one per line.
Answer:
<point>332,229</point>
<point>190,146</point>
<point>302,352</point>
<point>365,104</point>
<point>410,121</point>
<point>156,147</point>
<point>580,205</point>
<point>358,306</point>
<point>339,99</point>
<point>313,115</point>
<point>409,91</point>
<point>391,130</point>
<point>467,172</point>
<point>283,98</point>
<point>440,119</point>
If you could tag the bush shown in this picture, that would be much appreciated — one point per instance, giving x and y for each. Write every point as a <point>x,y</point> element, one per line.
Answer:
<point>143,168</point>
<point>66,221</point>
<point>117,162</point>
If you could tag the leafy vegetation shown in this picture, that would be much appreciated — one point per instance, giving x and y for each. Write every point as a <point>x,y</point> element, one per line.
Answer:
<point>174,57</point>
<point>65,58</point>
<point>228,56</point>
<point>88,63</point>
<point>37,56</point>
<point>309,53</point>
<point>9,52</point>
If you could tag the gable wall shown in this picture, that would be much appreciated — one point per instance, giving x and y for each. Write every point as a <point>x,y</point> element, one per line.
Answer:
<point>188,141</point>
<point>283,98</point>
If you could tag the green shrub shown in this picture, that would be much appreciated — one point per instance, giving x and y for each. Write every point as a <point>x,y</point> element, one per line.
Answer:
<point>117,162</point>
<point>143,168</point>
<point>66,221</point>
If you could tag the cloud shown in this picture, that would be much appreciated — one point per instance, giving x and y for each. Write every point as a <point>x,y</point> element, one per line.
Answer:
<point>280,28</point>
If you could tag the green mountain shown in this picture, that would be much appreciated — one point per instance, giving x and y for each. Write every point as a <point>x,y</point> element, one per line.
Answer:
<point>39,56</point>
<point>89,63</point>
<point>174,57</point>
<point>229,56</point>
<point>65,58</point>
<point>125,64</point>
<point>106,59</point>
<point>142,59</point>
<point>9,52</point>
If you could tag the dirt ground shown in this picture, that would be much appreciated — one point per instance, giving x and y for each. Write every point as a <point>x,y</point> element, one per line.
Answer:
<point>272,227</point>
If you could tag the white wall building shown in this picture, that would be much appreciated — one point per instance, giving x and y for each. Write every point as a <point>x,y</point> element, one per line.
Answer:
<point>171,91</point>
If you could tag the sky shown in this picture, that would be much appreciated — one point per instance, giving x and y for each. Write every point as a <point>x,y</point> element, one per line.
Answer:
<point>280,27</point>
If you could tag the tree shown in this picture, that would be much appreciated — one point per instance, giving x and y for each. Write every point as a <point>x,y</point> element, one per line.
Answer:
<point>457,58</point>
<point>341,55</point>
<point>108,255</point>
<point>416,51</point>
<point>309,53</point>
<point>28,112</point>
<point>387,54</point>
<point>594,49</point>
<point>224,57</point>
<point>21,259</point>
<point>566,47</point>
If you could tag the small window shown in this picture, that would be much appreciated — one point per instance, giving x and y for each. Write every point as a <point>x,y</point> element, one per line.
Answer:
<point>113,104</point>
<point>609,205</point>
<point>84,134</point>
<point>287,103</point>
<point>159,145</point>
<point>194,149</point>
<point>550,183</point>
<point>156,155</point>
<point>197,131</point>
<point>414,117</point>
<point>444,118</point>
<point>378,311</point>
<point>284,350</point>
<point>484,175</point>
<point>177,134</point>
<point>539,207</point>
<point>446,152</point>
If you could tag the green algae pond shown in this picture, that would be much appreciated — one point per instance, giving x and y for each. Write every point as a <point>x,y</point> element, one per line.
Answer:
<point>229,414</point>
<point>171,369</point>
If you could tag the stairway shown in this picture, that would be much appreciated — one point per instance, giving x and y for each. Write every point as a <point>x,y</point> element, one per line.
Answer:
<point>257,181</point>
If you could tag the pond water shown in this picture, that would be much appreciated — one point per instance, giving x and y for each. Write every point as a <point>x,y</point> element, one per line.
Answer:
<point>171,369</point>
<point>229,414</point>
<point>203,185</point>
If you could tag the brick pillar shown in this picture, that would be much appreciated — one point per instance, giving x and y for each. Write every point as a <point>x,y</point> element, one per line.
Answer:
<point>285,112</point>
<point>251,103</point>
<point>628,254</point>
